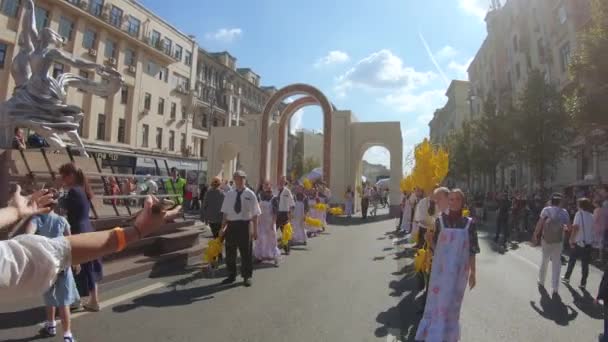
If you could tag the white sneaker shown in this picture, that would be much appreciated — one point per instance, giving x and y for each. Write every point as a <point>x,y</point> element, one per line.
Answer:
<point>276,262</point>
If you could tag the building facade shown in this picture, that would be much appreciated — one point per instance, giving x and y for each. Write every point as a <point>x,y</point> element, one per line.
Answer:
<point>175,92</point>
<point>449,119</point>
<point>524,35</point>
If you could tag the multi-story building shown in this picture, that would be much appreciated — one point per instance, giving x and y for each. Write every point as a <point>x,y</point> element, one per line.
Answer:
<point>449,119</point>
<point>174,91</point>
<point>524,35</point>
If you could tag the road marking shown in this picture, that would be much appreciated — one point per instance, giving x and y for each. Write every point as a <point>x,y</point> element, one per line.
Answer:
<point>123,297</point>
<point>524,259</point>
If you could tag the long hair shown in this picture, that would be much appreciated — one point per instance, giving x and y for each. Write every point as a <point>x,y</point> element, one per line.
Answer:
<point>81,180</point>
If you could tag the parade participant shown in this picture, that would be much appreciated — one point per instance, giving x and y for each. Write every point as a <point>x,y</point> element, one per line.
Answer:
<point>421,213</point>
<point>77,205</point>
<point>266,246</point>
<point>30,263</point>
<point>550,229</point>
<point>284,204</point>
<point>241,210</point>
<point>365,198</point>
<point>405,222</point>
<point>315,213</point>
<point>348,202</point>
<point>452,267</point>
<point>63,293</point>
<point>299,216</point>
<point>581,240</point>
<point>211,211</point>
<point>175,185</point>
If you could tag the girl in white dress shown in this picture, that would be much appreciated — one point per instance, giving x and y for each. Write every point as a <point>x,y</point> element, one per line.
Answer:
<point>299,216</point>
<point>315,213</point>
<point>266,246</point>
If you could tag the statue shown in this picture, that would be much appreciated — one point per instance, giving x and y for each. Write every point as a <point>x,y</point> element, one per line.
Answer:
<point>39,99</point>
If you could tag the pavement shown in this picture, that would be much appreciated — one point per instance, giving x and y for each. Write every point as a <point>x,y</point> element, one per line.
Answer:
<point>354,283</point>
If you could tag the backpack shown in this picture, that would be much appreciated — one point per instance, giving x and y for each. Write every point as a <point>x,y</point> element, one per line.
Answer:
<point>553,230</point>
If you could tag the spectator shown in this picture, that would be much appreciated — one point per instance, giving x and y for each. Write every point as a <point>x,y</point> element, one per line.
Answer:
<point>211,210</point>
<point>151,186</point>
<point>35,140</point>
<point>175,185</point>
<point>19,139</point>
<point>581,240</point>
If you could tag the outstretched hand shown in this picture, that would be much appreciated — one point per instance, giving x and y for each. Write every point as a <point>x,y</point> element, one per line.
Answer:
<point>35,205</point>
<point>154,215</point>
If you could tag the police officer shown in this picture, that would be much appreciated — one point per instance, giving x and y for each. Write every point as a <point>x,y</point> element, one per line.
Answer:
<point>284,204</point>
<point>241,210</point>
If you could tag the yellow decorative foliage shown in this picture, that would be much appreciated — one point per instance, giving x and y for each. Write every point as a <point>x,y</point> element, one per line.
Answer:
<point>407,184</point>
<point>214,248</point>
<point>441,162</point>
<point>430,169</point>
<point>313,222</point>
<point>466,212</point>
<point>320,206</point>
<point>307,184</point>
<point>336,211</point>
<point>287,234</point>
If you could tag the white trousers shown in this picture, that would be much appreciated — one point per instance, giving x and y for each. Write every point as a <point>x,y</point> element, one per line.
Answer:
<point>551,252</point>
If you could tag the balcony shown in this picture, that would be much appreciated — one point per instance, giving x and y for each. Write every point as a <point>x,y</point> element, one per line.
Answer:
<point>101,16</point>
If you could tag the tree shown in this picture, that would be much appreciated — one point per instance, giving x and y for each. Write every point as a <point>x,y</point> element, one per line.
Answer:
<point>541,126</point>
<point>587,103</point>
<point>493,140</point>
<point>461,154</point>
<point>309,164</point>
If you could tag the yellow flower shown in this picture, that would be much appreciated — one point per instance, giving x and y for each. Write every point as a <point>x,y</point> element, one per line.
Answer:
<point>214,248</point>
<point>307,184</point>
<point>336,211</point>
<point>287,234</point>
<point>313,222</point>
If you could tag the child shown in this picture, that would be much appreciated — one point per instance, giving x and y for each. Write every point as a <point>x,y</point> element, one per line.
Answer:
<point>266,245</point>
<point>299,216</point>
<point>63,293</point>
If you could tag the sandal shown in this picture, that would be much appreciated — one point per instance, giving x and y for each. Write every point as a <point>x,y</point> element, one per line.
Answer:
<point>68,339</point>
<point>91,307</point>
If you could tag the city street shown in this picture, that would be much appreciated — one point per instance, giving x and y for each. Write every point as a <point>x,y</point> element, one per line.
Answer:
<point>345,285</point>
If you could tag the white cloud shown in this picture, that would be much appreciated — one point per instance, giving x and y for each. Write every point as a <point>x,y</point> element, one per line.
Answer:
<point>296,121</point>
<point>477,8</point>
<point>460,69</point>
<point>225,35</point>
<point>333,57</point>
<point>446,53</point>
<point>382,70</point>
<point>407,101</point>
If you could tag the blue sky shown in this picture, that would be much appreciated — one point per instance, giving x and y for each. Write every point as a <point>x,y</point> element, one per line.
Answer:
<point>386,60</point>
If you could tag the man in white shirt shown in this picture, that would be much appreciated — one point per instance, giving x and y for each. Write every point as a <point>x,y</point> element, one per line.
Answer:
<point>367,195</point>
<point>241,210</point>
<point>581,240</point>
<point>285,203</point>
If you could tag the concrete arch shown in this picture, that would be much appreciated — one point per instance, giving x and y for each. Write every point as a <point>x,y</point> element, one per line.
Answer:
<point>286,115</point>
<point>273,102</point>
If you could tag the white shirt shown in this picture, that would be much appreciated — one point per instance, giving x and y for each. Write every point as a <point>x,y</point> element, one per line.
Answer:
<point>152,186</point>
<point>368,192</point>
<point>29,265</point>
<point>250,207</point>
<point>585,234</point>
<point>422,212</point>
<point>286,201</point>
<point>555,213</point>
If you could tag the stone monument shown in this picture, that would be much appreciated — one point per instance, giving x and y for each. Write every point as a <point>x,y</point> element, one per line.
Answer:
<point>39,99</point>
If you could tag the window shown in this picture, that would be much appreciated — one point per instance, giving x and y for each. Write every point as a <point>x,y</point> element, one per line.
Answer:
<point>167,45</point>
<point>66,26</point>
<point>183,142</point>
<point>133,25</point>
<point>155,38</point>
<point>57,69</point>
<point>202,150</point>
<point>564,53</point>
<point>205,120</point>
<point>161,106</point>
<point>515,43</point>
<point>561,14</point>
<point>83,74</point>
<point>124,95</point>
<point>121,131</point>
<point>3,48</point>
<point>116,16</point>
<point>89,39</point>
<point>173,110</point>
<point>171,141</point>
<point>178,52</point>
<point>10,7</point>
<point>163,74</point>
<point>96,7</point>
<point>159,138</point>
<point>130,57</point>
<point>215,122</point>
<point>148,101</point>
<point>101,127</point>
<point>184,113</point>
<point>179,80</point>
<point>42,18</point>
<point>144,139</point>
<point>541,50</point>
<point>110,51</point>
<point>517,71</point>
<point>188,58</point>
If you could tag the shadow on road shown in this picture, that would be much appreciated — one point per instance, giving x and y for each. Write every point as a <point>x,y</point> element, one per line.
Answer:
<point>585,303</point>
<point>24,318</point>
<point>554,308</point>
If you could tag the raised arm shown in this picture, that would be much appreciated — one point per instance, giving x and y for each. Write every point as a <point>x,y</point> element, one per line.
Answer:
<point>29,31</point>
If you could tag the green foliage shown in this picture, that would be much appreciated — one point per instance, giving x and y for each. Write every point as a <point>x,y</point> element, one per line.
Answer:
<point>309,164</point>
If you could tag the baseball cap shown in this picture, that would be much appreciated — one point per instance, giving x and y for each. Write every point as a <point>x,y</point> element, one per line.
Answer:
<point>556,196</point>
<point>240,173</point>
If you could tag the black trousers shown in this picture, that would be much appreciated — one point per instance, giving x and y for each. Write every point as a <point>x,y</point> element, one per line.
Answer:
<point>364,207</point>
<point>421,237</point>
<point>584,255</point>
<point>502,225</point>
<point>238,237</point>
<point>215,229</point>
<point>282,220</point>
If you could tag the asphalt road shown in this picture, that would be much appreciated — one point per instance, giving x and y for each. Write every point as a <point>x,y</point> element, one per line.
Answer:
<point>347,285</point>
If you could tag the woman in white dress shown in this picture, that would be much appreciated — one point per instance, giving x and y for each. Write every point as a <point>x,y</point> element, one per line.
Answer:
<point>299,216</point>
<point>266,246</point>
<point>407,208</point>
